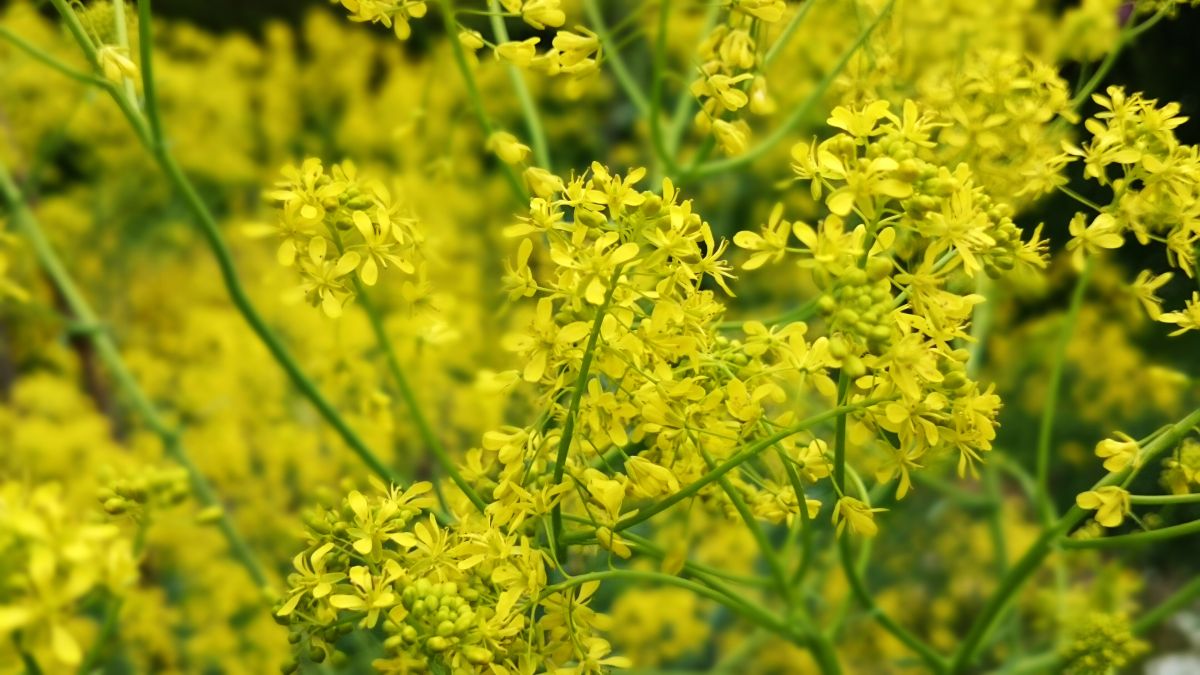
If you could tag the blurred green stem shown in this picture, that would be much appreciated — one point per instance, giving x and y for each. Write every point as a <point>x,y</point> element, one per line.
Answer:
<point>473,95</point>
<point>537,134</point>
<point>428,435</point>
<point>616,62</point>
<point>107,350</point>
<point>1046,509</point>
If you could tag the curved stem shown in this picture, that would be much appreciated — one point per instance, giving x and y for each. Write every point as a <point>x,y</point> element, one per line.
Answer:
<point>1127,35</point>
<point>1046,507</point>
<point>619,69</point>
<point>1020,572</point>
<point>537,135</point>
<point>107,350</point>
<point>428,436</point>
<point>155,143</point>
<point>1137,538</point>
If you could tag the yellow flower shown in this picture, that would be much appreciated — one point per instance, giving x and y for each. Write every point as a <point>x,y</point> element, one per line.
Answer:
<point>1110,502</point>
<point>1145,289</point>
<point>1187,319</point>
<point>1103,233</point>
<point>771,245</point>
<point>1118,454</point>
<point>856,514</point>
<point>507,147</point>
<point>519,53</point>
<point>115,64</point>
<point>650,479</point>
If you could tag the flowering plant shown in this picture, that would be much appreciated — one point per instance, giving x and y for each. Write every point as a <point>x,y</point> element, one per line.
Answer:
<point>639,336</point>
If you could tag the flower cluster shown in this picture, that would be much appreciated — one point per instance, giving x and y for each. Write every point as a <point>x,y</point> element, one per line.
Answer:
<point>54,560</point>
<point>730,76</point>
<point>145,491</point>
<point>468,597</point>
<point>338,230</point>
<point>892,310</point>
<point>394,14</point>
<point>1100,642</point>
<point>1154,181</point>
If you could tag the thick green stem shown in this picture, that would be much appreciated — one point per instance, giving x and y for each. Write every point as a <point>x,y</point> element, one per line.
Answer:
<point>107,350</point>
<point>1045,504</point>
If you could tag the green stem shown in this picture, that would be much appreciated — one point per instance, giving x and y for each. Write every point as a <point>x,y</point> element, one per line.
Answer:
<point>1165,499</point>
<point>40,55</point>
<point>665,157</point>
<point>786,36</point>
<point>1020,572</point>
<point>936,662</point>
<point>1046,507</point>
<point>760,537</point>
<point>122,35</point>
<point>742,456</point>
<point>428,436</point>
<point>537,135</point>
<point>931,658</point>
<point>149,86</point>
<point>740,606</point>
<point>683,104</point>
<point>155,143</point>
<point>617,63</point>
<point>1178,600</point>
<point>805,311</point>
<point>1127,35</point>
<point>476,100</point>
<point>568,430</point>
<point>1137,538</point>
<point>107,350</point>
<point>839,435</point>
<point>799,113</point>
